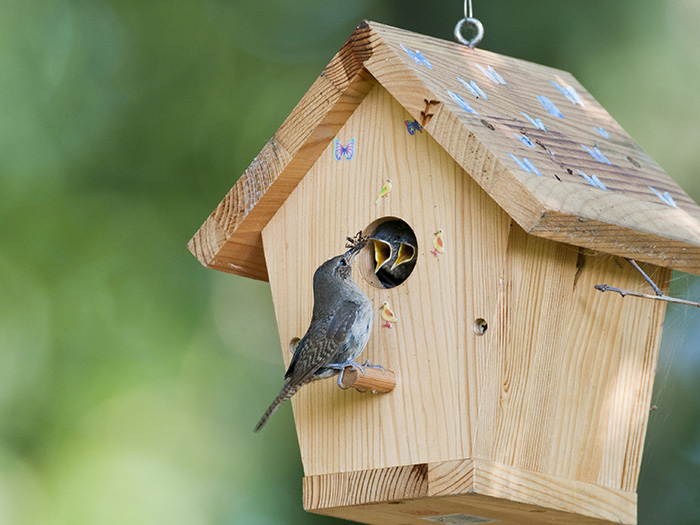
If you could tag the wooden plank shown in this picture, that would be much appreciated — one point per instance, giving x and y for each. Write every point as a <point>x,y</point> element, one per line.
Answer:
<point>520,383</point>
<point>553,492</point>
<point>606,238</point>
<point>475,487</point>
<point>362,487</point>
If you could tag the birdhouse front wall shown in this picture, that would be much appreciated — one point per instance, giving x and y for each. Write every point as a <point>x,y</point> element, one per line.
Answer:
<point>426,417</point>
<point>560,381</point>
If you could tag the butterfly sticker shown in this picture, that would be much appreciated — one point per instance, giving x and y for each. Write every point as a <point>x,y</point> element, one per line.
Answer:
<point>526,165</point>
<point>417,57</point>
<point>665,196</point>
<point>461,102</point>
<point>569,92</point>
<point>597,154</point>
<point>593,181</point>
<point>474,88</point>
<point>491,74</point>
<point>525,140</point>
<point>550,107</point>
<point>339,150</point>
<point>412,126</point>
<point>602,132</point>
<point>534,121</point>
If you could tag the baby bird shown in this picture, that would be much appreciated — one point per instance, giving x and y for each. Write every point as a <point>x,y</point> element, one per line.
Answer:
<point>394,252</point>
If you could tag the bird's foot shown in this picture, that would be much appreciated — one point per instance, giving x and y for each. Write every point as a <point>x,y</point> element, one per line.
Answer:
<point>367,364</point>
<point>434,252</point>
<point>352,365</point>
<point>386,324</point>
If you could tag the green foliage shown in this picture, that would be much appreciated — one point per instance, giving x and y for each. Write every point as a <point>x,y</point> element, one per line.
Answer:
<point>130,377</point>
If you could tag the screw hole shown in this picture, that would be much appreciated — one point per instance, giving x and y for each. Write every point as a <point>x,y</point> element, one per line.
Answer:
<point>480,326</point>
<point>634,162</point>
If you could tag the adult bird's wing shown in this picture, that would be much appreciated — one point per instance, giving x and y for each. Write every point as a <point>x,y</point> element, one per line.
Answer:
<point>322,342</point>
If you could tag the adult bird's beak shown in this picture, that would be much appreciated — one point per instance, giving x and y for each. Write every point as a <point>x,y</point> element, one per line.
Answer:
<point>382,253</point>
<point>356,246</point>
<point>406,254</point>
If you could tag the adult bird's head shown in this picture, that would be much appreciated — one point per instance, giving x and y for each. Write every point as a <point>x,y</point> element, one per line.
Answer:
<point>340,267</point>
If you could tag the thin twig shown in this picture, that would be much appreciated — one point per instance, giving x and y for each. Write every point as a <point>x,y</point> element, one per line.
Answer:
<point>648,279</point>
<point>608,288</point>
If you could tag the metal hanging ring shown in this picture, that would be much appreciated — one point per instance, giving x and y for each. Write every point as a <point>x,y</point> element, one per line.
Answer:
<point>476,24</point>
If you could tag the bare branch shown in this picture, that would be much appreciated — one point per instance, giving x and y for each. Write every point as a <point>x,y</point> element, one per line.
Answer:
<point>608,288</point>
<point>657,290</point>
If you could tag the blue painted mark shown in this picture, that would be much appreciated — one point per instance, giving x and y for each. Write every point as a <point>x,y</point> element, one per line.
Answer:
<point>534,121</point>
<point>474,89</point>
<point>525,140</point>
<point>593,181</point>
<point>417,57</point>
<point>491,74</point>
<point>550,107</point>
<point>665,196</point>
<point>602,132</point>
<point>569,92</point>
<point>526,165</point>
<point>461,102</point>
<point>597,154</point>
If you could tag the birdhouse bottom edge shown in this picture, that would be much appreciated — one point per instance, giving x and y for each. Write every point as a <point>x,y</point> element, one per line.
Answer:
<point>464,491</point>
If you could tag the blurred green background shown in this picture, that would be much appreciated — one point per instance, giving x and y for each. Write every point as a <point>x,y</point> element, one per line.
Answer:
<point>131,377</point>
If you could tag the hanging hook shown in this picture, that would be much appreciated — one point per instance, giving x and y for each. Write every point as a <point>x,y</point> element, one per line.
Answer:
<point>470,20</point>
<point>468,9</point>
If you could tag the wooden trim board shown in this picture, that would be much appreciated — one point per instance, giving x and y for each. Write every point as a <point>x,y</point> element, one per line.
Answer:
<point>409,494</point>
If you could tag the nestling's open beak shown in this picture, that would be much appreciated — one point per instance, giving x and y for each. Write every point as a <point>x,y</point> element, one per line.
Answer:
<point>382,253</point>
<point>406,254</point>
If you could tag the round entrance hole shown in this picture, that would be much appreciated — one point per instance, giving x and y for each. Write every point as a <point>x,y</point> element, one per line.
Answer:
<point>391,253</point>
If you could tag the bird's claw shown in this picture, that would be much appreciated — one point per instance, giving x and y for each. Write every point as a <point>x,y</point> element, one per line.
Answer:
<point>352,365</point>
<point>370,365</point>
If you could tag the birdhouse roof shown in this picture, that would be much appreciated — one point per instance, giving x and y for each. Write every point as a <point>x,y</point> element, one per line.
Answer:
<point>531,136</point>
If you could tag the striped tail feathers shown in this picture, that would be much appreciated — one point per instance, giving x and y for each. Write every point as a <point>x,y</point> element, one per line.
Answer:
<point>288,390</point>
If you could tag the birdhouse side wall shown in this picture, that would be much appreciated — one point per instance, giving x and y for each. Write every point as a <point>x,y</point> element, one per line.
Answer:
<point>565,387</point>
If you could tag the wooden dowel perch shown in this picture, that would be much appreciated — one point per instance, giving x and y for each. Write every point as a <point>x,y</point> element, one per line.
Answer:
<point>374,380</point>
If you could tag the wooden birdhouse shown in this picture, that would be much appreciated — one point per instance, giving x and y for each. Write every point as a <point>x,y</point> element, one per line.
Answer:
<point>522,393</point>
